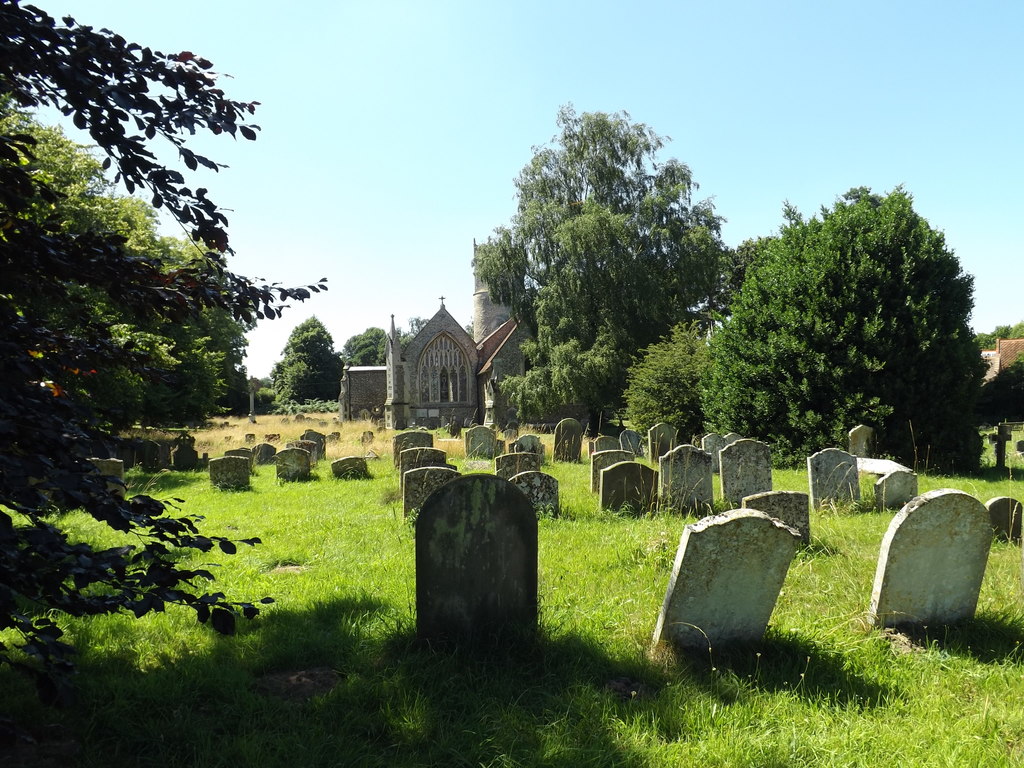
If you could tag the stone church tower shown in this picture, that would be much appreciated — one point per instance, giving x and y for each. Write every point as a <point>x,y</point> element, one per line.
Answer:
<point>488,315</point>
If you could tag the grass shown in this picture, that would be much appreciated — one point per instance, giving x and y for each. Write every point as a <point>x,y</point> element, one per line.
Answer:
<point>332,674</point>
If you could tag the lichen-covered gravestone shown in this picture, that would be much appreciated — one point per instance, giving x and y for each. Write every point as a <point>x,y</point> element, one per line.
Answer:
<point>745,468</point>
<point>420,482</point>
<point>414,458</point>
<point>312,447</point>
<point>629,485</point>
<point>540,489</point>
<point>862,441</point>
<point>292,464</point>
<point>510,464</point>
<point>317,437</point>
<point>894,489</point>
<point>528,444</point>
<point>350,468</point>
<point>932,561</point>
<point>832,476</point>
<point>568,440</point>
<point>630,440</point>
<point>726,579</point>
<point>412,439</point>
<point>791,507</point>
<point>685,480</point>
<point>230,472</point>
<point>602,460</point>
<point>661,438</point>
<point>1005,514</point>
<point>476,561</point>
<point>263,453</point>
<point>481,443</point>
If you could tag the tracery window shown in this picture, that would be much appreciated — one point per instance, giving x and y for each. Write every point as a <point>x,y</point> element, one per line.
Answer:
<point>443,373</point>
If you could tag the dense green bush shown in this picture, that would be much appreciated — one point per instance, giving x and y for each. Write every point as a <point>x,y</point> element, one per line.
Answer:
<point>1002,398</point>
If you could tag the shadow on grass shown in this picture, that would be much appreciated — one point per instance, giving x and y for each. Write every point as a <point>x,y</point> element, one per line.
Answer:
<point>987,638</point>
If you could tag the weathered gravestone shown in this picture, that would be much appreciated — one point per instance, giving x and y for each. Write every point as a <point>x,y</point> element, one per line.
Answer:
<point>745,468</point>
<point>481,443</point>
<point>476,560</point>
<point>317,437</point>
<point>685,479</point>
<point>114,469</point>
<point>293,464</point>
<point>894,489</point>
<point>250,437</point>
<point>932,561</point>
<point>711,444</point>
<point>510,464</point>
<point>414,458</point>
<point>731,437</point>
<point>528,444</point>
<point>832,476</point>
<point>334,437</point>
<point>149,456</point>
<point>602,460</point>
<point>568,440</point>
<point>629,485</point>
<point>418,483</point>
<point>310,446</point>
<point>230,472</point>
<point>350,468</point>
<point>791,507</point>
<point>727,576</point>
<point>263,453</point>
<point>510,433</point>
<point>272,437</point>
<point>245,453</point>
<point>540,489</point>
<point>412,439</point>
<point>661,438</point>
<point>630,440</point>
<point>184,458</point>
<point>603,443</point>
<point>1005,514</point>
<point>862,441</point>
<point>367,437</point>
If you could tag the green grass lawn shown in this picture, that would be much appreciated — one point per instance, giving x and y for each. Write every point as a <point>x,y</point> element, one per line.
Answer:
<point>332,674</point>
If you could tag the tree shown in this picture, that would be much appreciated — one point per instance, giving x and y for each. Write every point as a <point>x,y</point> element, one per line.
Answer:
<point>988,340</point>
<point>126,97</point>
<point>366,348</point>
<point>607,251</point>
<point>665,383</point>
<point>309,369</point>
<point>859,316</point>
<point>1002,397</point>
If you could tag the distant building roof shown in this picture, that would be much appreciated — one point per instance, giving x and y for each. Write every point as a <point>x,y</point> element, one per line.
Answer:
<point>367,368</point>
<point>1006,353</point>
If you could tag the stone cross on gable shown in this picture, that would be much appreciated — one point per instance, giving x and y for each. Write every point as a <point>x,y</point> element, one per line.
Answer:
<point>442,301</point>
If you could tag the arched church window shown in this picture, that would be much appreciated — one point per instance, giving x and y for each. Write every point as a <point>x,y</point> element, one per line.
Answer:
<point>443,372</point>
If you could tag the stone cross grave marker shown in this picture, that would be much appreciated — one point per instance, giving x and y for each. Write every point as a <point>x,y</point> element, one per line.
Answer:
<point>230,472</point>
<point>568,440</point>
<point>894,489</point>
<point>476,561</point>
<point>481,443</point>
<point>629,485</point>
<point>412,439</point>
<point>791,507</point>
<point>292,464</point>
<point>418,483</point>
<point>540,489</point>
<point>685,480</point>
<point>602,460</point>
<point>832,476</point>
<point>661,438</point>
<point>745,468</point>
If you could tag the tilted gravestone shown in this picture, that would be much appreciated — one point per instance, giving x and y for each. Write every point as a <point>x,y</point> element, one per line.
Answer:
<point>420,482</point>
<point>1005,514</point>
<point>726,579</point>
<point>293,464</point>
<point>661,438</point>
<point>894,489</point>
<point>791,507</point>
<point>263,453</point>
<point>685,480</point>
<point>629,485</point>
<point>350,468</point>
<point>832,476</point>
<point>630,440</point>
<point>568,440</point>
<point>862,441</point>
<point>412,439</point>
<point>603,443</point>
<point>603,460</point>
<point>745,468</point>
<point>932,561</point>
<point>510,464</point>
<point>540,489</point>
<point>481,443</point>
<point>476,560</point>
<point>414,458</point>
<point>230,472</point>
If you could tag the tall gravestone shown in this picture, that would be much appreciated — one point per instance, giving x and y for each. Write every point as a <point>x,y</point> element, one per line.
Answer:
<point>540,489</point>
<point>932,561</point>
<point>414,458</point>
<point>862,441</point>
<point>685,480</point>
<point>791,507</point>
<point>602,460</point>
<point>510,464</point>
<point>481,443</point>
<point>230,472</point>
<point>476,560</point>
<point>661,438</point>
<point>894,489</point>
<point>1005,514</point>
<point>832,476</point>
<point>631,440</point>
<point>412,439</point>
<point>568,440</point>
<point>726,579</point>
<point>711,444</point>
<point>293,464</point>
<point>745,468</point>
<point>420,482</point>
<point>629,485</point>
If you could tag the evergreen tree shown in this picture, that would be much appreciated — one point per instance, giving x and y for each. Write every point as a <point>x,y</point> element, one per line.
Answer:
<point>309,369</point>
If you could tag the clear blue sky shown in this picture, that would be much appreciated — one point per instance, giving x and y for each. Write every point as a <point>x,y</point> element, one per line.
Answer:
<point>392,131</point>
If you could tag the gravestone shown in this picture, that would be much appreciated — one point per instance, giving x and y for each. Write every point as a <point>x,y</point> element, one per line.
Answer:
<point>511,433</point>
<point>272,437</point>
<point>481,443</point>
<point>293,464</point>
<point>312,446</point>
<point>476,560</point>
<point>685,480</point>
<point>661,438</point>
<point>149,456</point>
<point>184,458</point>
<point>630,440</point>
<point>832,476</point>
<point>1004,513</point>
<point>367,437</point>
<point>568,440</point>
<point>731,437</point>
<point>629,485</point>
<point>602,460</point>
<point>245,453</point>
<point>319,438</point>
<point>414,458</point>
<point>350,468</point>
<point>791,507</point>
<point>334,437</point>
<point>603,443</point>
<point>711,444</point>
<point>250,437</point>
<point>540,489</point>
<point>420,482</point>
<point>230,472</point>
<point>744,468</point>
<point>263,453</point>
<point>510,464</point>
<point>862,441</point>
<point>528,444</point>
<point>114,469</point>
<point>300,417</point>
<point>412,439</point>
<point>932,561</point>
<point>894,489</point>
<point>726,579</point>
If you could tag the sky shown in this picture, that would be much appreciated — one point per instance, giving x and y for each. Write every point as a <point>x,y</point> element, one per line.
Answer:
<point>392,132</point>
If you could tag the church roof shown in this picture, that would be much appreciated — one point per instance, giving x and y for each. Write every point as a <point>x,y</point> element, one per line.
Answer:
<point>491,345</point>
